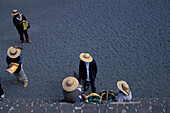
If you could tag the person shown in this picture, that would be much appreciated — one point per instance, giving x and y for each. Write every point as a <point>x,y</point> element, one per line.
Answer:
<point>14,56</point>
<point>2,94</point>
<point>87,71</point>
<point>18,23</point>
<point>71,91</point>
<point>124,93</point>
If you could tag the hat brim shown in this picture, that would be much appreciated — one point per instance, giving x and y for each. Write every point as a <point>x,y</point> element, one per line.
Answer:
<point>72,87</point>
<point>13,56</point>
<point>15,13</point>
<point>85,59</point>
<point>119,85</point>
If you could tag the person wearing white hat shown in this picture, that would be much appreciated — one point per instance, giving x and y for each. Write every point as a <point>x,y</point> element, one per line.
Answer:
<point>14,56</point>
<point>18,23</point>
<point>87,71</point>
<point>71,91</point>
<point>124,93</point>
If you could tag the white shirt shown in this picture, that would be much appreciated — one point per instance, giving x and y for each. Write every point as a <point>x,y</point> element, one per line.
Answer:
<point>122,97</point>
<point>87,67</point>
<point>20,17</point>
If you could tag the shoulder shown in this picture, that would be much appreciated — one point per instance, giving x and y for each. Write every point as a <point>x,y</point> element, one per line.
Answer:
<point>23,16</point>
<point>7,57</point>
<point>93,62</point>
<point>77,91</point>
<point>82,62</point>
<point>14,18</point>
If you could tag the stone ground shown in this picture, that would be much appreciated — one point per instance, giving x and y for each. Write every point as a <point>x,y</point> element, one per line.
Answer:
<point>128,39</point>
<point>54,106</point>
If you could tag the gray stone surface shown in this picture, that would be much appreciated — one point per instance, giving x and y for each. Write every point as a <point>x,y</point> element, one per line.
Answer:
<point>24,105</point>
<point>128,39</point>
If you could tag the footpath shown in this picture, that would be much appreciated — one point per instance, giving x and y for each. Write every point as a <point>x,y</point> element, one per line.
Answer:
<point>40,105</point>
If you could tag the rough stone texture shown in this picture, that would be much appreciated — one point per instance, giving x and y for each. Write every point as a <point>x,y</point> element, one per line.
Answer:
<point>23,105</point>
<point>129,39</point>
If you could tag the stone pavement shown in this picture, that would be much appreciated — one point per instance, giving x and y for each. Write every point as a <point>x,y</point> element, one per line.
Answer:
<point>129,39</point>
<point>55,106</point>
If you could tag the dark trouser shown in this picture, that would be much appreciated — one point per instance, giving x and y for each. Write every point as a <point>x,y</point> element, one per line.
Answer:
<point>1,91</point>
<point>25,32</point>
<point>86,85</point>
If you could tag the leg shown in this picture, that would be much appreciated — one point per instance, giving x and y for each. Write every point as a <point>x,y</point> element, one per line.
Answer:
<point>86,85</point>
<point>93,88</point>
<point>17,76</point>
<point>26,36</point>
<point>21,37</point>
<point>1,92</point>
<point>22,77</point>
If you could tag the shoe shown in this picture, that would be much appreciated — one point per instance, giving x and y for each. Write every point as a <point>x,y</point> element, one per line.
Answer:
<point>25,84</point>
<point>29,41</point>
<point>22,44</point>
<point>16,81</point>
<point>2,96</point>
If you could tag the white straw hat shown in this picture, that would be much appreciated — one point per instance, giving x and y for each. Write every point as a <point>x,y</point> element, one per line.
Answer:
<point>15,12</point>
<point>124,87</point>
<point>86,57</point>
<point>70,84</point>
<point>13,52</point>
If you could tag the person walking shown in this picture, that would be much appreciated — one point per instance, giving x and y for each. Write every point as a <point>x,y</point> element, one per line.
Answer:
<point>14,56</point>
<point>124,93</point>
<point>87,71</point>
<point>18,21</point>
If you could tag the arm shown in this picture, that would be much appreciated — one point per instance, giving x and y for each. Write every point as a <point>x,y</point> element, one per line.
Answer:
<point>8,61</point>
<point>80,71</point>
<point>15,22</point>
<point>95,67</point>
<point>20,58</point>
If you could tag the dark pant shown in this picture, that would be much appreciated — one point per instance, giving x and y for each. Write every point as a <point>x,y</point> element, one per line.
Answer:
<point>86,86</point>
<point>1,91</point>
<point>25,32</point>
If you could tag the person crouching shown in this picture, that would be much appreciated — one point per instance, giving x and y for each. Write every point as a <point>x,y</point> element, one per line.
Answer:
<point>124,93</point>
<point>71,91</point>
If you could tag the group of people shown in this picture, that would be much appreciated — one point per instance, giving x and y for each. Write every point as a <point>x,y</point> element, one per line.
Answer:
<point>72,90</point>
<point>73,86</point>
<point>14,53</point>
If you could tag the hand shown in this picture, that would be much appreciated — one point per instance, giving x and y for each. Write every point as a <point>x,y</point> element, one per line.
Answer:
<point>22,22</point>
<point>10,65</point>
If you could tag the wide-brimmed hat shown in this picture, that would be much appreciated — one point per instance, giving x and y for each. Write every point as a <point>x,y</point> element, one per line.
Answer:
<point>70,84</point>
<point>86,57</point>
<point>124,87</point>
<point>13,52</point>
<point>15,12</point>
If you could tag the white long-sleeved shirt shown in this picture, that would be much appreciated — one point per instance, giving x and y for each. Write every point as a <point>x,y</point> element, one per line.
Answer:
<point>87,67</point>
<point>122,97</point>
